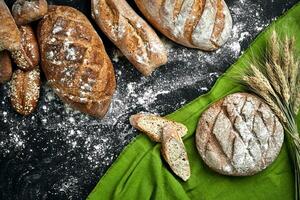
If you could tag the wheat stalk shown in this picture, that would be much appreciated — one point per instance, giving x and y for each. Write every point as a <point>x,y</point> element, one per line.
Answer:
<point>283,82</point>
<point>286,57</point>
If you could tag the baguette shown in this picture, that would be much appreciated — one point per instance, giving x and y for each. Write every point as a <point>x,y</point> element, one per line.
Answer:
<point>174,152</point>
<point>27,11</point>
<point>152,125</point>
<point>75,62</point>
<point>130,33</point>
<point>5,66</point>
<point>202,24</point>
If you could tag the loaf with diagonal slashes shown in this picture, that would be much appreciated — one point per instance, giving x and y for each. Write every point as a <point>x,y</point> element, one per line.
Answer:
<point>202,24</point>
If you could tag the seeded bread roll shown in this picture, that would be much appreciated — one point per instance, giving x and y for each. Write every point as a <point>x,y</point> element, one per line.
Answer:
<point>130,33</point>
<point>173,151</point>
<point>26,11</point>
<point>25,90</point>
<point>27,57</point>
<point>152,125</point>
<point>5,66</point>
<point>202,24</point>
<point>239,135</point>
<point>75,62</point>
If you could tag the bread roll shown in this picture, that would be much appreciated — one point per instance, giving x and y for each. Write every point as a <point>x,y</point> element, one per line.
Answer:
<point>198,24</point>
<point>5,66</point>
<point>130,33</point>
<point>173,151</point>
<point>27,56</point>
<point>74,60</point>
<point>25,90</point>
<point>239,135</point>
<point>152,125</point>
<point>26,11</point>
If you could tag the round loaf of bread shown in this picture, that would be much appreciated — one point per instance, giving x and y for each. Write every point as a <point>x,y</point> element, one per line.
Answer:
<point>198,24</point>
<point>239,135</point>
<point>75,62</point>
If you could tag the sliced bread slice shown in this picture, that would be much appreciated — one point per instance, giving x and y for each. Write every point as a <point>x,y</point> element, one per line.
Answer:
<point>152,125</point>
<point>174,152</point>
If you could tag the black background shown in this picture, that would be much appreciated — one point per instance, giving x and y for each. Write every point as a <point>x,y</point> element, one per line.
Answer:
<point>65,155</point>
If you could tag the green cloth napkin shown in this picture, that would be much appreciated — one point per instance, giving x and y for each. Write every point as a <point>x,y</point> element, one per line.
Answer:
<point>141,173</point>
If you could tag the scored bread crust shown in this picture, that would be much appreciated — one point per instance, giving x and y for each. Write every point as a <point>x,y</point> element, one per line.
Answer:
<point>137,120</point>
<point>202,24</point>
<point>130,33</point>
<point>171,136</point>
<point>75,62</point>
<point>239,135</point>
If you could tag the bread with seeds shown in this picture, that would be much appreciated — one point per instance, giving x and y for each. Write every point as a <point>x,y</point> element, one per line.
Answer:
<point>75,62</point>
<point>173,151</point>
<point>130,33</point>
<point>152,125</point>
<point>202,24</point>
<point>27,11</point>
<point>27,56</point>
<point>25,90</point>
<point>5,66</point>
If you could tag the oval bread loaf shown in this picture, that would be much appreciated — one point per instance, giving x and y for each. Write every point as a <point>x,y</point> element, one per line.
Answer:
<point>130,33</point>
<point>25,90</point>
<point>202,24</point>
<point>26,11</point>
<point>74,60</point>
<point>27,56</point>
<point>239,135</point>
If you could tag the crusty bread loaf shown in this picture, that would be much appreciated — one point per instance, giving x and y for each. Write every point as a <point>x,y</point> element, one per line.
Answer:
<point>239,135</point>
<point>193,23</point>
<point>25,90</point>
<point>152,125</point>
<point>74,60</point>
<point>26,11</point>
<point>173,151</point>
<point>10,38</point>
<point>27,56</point>
<point>130,33</point>
<point>5,66</point>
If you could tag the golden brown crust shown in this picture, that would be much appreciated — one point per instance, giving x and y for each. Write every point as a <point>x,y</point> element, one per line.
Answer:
<point>25,90</point>
<point>27,57</point>
<point>74,60</point>
<point>26,11</point>
<point>130,33</point>
<point>10,38</point>
<point>202,24</point>
<point>5,66</point>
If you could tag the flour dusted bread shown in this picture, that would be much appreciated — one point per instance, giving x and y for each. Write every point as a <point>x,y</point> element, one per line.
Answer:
<point>27,55</point>
<point>25,90</point>
<point>130,33</point>
<point>173,151</point>
<point>26,11</point>
<point>202,24</point>
<point>74,60</point>
<point>152,125</point>
<point>239,135</point>
<point>5,66</point>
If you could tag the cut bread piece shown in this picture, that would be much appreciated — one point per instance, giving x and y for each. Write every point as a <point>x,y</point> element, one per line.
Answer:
<point>152,125</point>
<point>174,152</point>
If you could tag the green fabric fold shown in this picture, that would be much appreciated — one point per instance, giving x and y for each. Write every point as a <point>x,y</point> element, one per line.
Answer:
<point>141,173</point>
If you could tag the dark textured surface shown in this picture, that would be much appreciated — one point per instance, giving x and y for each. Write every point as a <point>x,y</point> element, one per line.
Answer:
<point>58,153</point>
